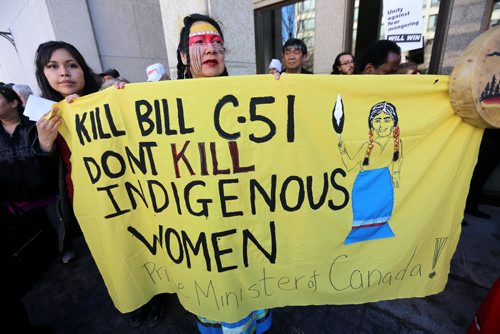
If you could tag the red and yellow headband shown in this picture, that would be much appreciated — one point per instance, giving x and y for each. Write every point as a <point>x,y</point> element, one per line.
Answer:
<point>203,28</point>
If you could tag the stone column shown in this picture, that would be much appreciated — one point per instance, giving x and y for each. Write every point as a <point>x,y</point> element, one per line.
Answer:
<point>465,25</point>
<point>76,29</point>
<point>330,33</point>
<point>129,35</point>
<point>125,35</point>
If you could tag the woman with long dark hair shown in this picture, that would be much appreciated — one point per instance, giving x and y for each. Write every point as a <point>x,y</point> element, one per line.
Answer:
<point>201,54</point>
<point>62,73</point>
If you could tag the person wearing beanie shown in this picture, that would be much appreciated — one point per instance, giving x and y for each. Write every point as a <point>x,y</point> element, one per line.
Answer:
<point>109,74</point>
<point>156,72</point>
<point>274,66</point>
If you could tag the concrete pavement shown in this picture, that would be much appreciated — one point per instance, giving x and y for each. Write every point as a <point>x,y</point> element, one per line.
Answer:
<point>72,298</point>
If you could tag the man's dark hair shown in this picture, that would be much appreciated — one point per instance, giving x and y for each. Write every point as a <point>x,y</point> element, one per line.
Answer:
<point>336,63</point>
<point>10,95</point>
<point>377,52</point>
<point>295,42</point>
<point>42,58</point>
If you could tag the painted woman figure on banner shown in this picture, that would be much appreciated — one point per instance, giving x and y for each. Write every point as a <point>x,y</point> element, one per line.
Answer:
<point>373,189</point>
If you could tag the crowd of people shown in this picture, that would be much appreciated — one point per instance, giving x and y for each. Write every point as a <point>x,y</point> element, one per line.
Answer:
<point>35,165</point>
<point>294,54</point>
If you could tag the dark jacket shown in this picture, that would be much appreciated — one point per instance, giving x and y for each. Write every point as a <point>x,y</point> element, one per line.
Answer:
<point>63,217</point>
<point>31,230</point>
<point>25,176</point>
<point>302,71</point>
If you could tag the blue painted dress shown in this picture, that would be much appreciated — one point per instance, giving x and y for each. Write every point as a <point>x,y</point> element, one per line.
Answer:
<point>372,205</point>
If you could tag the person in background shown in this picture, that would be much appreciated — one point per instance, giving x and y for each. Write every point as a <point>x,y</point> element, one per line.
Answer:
<point>201,54</point>
<point>487,160</point>
<point>381,57</point>
<point>274,66</point>
<point>109,74</point>
<point>294,54</point>
<point>28,198</point>
<point>110,77</point>
<point>343,64</point>
<point>156,72</point>
<point>24,91</point>
<point>408,67</point>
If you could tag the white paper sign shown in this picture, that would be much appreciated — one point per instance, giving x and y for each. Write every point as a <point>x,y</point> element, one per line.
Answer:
<point>36,107</point>
<point>404,24</point>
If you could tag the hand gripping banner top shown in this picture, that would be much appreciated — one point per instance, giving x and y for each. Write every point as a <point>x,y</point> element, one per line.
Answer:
<point>248,192</point>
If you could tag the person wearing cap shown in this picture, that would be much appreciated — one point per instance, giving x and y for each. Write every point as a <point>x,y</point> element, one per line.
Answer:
<point>24,92</point>
<point>156,72</point>
<point>109,74</point>
<point>274,66</point>
<point>111,77</point>
<point>294,54</point>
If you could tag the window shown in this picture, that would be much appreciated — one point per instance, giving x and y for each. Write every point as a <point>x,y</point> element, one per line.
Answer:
<point>308,41</point>
<point>304,27</point>
<point>275,24</point>
<point>434,3</point>
<point>309,24</point>
<point>495,15</point>
<point>431,24</point>
<point>307,6</point>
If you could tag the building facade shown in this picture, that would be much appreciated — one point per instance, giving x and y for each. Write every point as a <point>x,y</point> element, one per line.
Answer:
<point>129,35</point>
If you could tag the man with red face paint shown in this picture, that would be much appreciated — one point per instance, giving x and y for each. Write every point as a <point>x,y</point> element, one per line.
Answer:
<point>201,54</point>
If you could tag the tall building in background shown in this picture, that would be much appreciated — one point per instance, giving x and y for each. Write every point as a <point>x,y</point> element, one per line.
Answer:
<point>131,34</point>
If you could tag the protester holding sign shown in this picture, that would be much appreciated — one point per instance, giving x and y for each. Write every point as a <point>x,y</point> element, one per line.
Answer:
<point>62,73</point>
<point>201,54</point>
<point>408,67</point>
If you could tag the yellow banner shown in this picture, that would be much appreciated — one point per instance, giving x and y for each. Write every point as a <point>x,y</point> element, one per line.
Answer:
<point>246,193</point>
